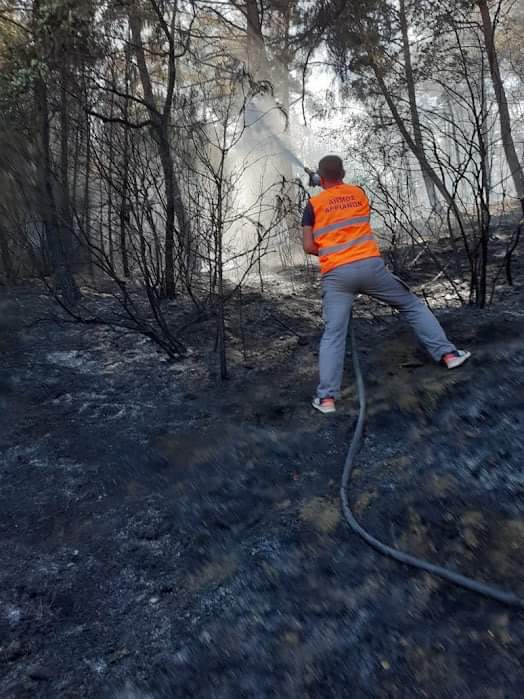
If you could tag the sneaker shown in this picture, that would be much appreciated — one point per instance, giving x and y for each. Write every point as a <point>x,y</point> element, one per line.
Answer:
<point>324,405</point>
<point>454,359</point>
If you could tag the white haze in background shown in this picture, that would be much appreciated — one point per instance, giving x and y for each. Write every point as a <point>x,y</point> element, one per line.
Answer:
<point>331,130</point>
<point>273,149</point>
<point>259,163</point>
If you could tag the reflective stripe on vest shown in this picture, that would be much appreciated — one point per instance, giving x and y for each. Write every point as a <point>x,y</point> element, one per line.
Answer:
<point>341,226</point>
<point>323,252</point>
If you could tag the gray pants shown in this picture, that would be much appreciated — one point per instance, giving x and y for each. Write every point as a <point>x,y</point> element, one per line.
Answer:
<point>371,277</point>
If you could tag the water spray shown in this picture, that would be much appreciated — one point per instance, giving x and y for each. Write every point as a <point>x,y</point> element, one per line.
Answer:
<point>256,117</point>
<point>314,177</point>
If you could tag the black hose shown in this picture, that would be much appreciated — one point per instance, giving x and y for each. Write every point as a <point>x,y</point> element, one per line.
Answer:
<point>400,556</point>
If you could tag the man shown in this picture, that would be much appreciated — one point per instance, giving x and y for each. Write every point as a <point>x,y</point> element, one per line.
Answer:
<point>336,228</point>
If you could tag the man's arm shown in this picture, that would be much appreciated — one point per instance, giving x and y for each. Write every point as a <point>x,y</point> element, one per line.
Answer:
<point>308,219</point>
<point>308,242</point>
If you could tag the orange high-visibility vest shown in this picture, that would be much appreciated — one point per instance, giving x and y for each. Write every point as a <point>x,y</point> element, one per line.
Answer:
<point>341,229</point>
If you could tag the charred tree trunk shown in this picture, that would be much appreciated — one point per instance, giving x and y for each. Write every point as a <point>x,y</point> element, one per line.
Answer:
<point>160,121</point>
<point>415,117</point>
<point>257,62</point>
<point>110,171</point>
<point>515,166</point>
<point>124,203</point>
<point>65,218</point>
<point>86,204</point>
<point>64,281</point>
<point>83,195</point>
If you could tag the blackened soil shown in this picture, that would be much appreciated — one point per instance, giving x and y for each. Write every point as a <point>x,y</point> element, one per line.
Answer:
<point>166,535</point>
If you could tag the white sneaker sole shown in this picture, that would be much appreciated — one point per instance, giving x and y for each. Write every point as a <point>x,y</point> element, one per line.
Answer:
<point>458,361</point>
<point>324,411</point>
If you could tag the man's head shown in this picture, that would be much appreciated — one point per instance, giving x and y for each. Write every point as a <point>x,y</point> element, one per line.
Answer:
<point>331,170</point>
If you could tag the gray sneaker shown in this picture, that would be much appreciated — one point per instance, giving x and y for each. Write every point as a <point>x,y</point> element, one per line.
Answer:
<point>452,360</point>
<point>324,405</point>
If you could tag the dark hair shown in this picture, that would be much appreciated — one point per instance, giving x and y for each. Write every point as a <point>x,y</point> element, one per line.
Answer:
<point>331,168</point>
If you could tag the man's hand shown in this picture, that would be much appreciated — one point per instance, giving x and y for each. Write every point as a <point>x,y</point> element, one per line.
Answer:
<point>310,247</point>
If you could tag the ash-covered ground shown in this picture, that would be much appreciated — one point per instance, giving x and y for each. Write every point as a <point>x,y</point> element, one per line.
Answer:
<point>166,535</point>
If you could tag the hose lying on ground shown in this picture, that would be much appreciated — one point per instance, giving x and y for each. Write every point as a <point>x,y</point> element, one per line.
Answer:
<point>400,556</point>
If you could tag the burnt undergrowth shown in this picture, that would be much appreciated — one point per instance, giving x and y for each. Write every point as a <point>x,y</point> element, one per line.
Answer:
<point>165,534</point>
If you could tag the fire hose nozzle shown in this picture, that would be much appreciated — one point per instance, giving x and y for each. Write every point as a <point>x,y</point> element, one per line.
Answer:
<point>314,177</point>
